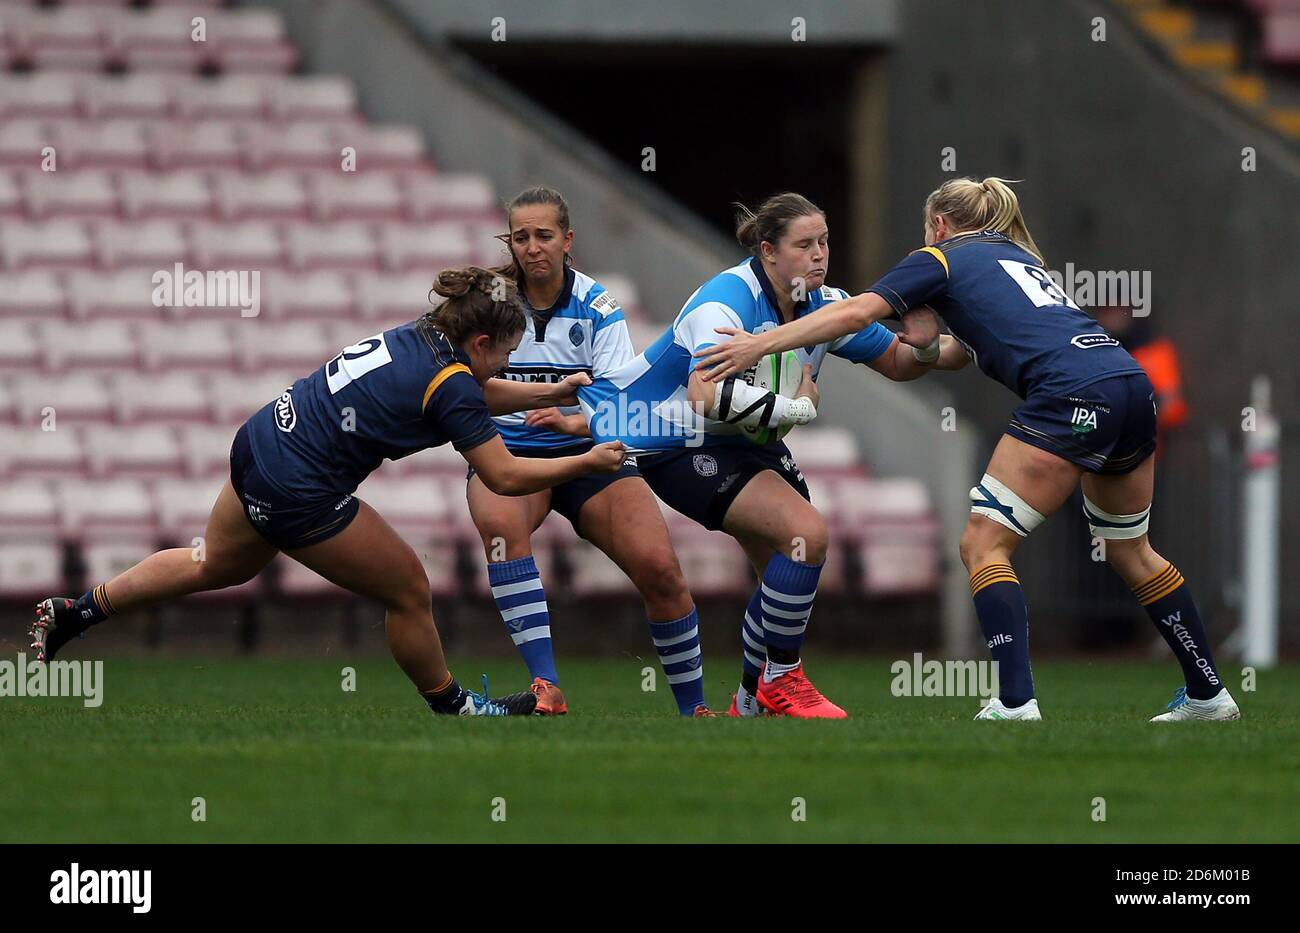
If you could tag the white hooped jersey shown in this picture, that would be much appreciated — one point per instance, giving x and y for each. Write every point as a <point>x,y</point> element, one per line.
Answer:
<point>644,402</point>
<point>583,332</point>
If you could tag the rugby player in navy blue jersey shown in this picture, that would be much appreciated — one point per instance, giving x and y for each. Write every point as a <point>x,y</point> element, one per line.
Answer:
<point>575,326</point>
<point>295,466</point>
<point>1088,415</point>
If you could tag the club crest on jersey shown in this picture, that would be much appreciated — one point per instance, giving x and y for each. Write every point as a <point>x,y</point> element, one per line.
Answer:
<point>1083,421</point>
<point>576,336</point>
<point>285,414</point>
<point>705,465</point>
<point>1088,341</point>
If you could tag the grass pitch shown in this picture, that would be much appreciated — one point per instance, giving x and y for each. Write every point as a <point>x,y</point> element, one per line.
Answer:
<point>279,752</point>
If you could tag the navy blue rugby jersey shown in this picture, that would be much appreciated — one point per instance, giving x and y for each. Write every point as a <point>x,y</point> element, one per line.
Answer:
<point>383,398</point>
<point>1015,322</point>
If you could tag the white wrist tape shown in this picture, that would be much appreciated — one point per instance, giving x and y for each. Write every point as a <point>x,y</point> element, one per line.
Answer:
<point>927,354</point>
<point>737,402</point>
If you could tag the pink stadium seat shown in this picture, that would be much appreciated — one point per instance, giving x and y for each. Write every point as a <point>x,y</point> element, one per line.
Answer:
<point>901,560</point>
<point>44,94</point>
<point>270,59</point>
<point>193,342</point>
<point>206,449</point>
<point>106,557</point>
<point>11,198</point>
<point>37,293</point>
<point>253,244</point>
<point>314,97</point>
<point>713,564</point>
<point>8,402</point>
<point>101,143</point>
<point>125,293</point>
<point>355,195</point>
<point>864,501</point>
<point>427,247</point>
<point>595,575</point>
<point>415,506</point>
<point>184,506</point>
<point>20,348</point>
<point>297,581</point>
<point>235,398</point>
<point>824,449</point>
<point>176,144</point>
<point>75,399</point>
<point>87,193</point>
<point>172,396</point>
<point>303,345</point>
<point>435,197</point>
<point>133,96</point>
<point>344,244</point>
<point>315,295</point>
<point>30,569</point>
<point>394,297</point>
<point>155,244</point>
<point>24,140</point>
<point>34,452</point>
<point>623,291</point>
<point>100,344</point>
<point>1282,37</point>
<point>165,194</point>
<point>275,195</point>
<point>60,242</point>
<point>392,147</point>
<point>28,508</point>
<point>293,145</point>
<point>144,450</point>
<point>231,97</point>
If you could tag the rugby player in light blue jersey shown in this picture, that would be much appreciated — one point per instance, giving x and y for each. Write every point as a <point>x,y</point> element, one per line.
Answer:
<point>696,459</point>
<point>575,326</point>
<point>1088,415</point>
<point>295,466</point>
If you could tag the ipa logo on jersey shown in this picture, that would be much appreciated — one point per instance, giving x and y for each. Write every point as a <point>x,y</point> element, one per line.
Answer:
<point>285,414</point>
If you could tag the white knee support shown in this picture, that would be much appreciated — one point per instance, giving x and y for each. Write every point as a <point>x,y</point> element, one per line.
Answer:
<point>1116,527</point>
<point>994,500</point>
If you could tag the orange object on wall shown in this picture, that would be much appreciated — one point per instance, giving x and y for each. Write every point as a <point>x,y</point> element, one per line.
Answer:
<point>1160,360</point>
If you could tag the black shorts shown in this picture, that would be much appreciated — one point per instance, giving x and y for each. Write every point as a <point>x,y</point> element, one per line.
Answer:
<point>285,521</point>
<point>569,498</point>
<point>1106,427</point>
<point>702,482</point>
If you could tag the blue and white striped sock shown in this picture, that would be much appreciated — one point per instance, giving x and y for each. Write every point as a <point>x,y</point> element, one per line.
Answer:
<point>517,590</point>
<point>753,641</point>
<point>678,644</point>
<point>788,590</point>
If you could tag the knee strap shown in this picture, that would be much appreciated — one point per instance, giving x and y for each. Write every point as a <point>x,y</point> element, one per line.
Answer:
<point>1115,527</point>
<point>994,500</point>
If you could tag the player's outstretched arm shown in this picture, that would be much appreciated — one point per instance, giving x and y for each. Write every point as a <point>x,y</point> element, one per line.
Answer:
<point>507,475</point>
<point>835,320</point>
<point>506,396</point>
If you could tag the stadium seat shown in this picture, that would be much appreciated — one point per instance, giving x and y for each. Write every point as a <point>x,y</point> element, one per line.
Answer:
<point>34,452</point>
<point>134,96</point>
<point>11,201</point>
<point>123,293</point>
<point>28,509</point>
<point>230,97</point>
<point>206,449</point>
<point>192,343</point>
<point>117,143</point>
<point>394,298</point>
<point>36,293</point>
<point>428,247</point>
<point>340,245</point>
<point>154,244</point>
<point>216,144</point>
<point>82,194</point>
<point>62,242</point>
<point>23,141</point>
<point>385,147</point>
<point>165,194</point>
<point>170,396</point>
<point>103,344</point>
<point>277,195</point>
<point>311,97</point>
<point>302,345</point>
<point>30,570</point>
<point>92,507</point>
<point>243,245</point>
<point>44,94</point>
<point>20,349</point>
<point>184,506</point>
<point>73,399</point>
<point>141,450</point>
<point>369,196</point>
<point>314,295</point>
<point>235,398</point>
<point>434,197</point>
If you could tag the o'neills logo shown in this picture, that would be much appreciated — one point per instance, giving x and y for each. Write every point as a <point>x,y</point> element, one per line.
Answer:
<point>285,414</point>
<point>88,886</point>
<point>1087,341</point>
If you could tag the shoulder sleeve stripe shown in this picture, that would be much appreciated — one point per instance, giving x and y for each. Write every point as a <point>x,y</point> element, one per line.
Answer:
<point>937,254</point>
<point>446,373</point>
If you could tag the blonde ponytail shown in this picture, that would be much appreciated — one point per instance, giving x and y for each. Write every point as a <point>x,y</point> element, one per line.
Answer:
<point>982,205</point>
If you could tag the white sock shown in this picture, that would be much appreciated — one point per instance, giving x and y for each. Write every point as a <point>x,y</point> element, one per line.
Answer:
<point>773,670</point>
<point>746,703</point>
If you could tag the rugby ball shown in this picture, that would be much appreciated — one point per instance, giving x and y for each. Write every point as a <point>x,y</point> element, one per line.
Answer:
<point>780,373</point>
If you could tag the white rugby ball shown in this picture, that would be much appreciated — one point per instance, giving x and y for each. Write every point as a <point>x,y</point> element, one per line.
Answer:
<point>780,373</point>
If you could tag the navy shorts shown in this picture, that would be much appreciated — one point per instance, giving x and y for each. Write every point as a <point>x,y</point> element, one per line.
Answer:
<point>1106,427</point>
<point>569,498</point>
<point>285,521</point>
<point>702,482</point>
